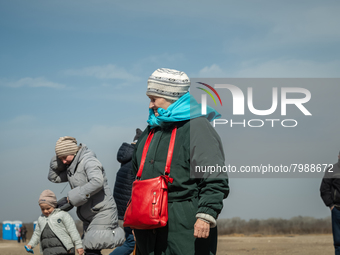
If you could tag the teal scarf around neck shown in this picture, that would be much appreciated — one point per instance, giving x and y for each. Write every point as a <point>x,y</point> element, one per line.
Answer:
<point>185,108</point>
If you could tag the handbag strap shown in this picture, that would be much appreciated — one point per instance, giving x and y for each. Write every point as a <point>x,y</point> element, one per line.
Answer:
<point>170,152</point>
<point>145,151</point>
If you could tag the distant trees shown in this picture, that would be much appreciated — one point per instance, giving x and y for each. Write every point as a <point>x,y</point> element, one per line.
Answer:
<point>272,226</point>
<point>275,226</point>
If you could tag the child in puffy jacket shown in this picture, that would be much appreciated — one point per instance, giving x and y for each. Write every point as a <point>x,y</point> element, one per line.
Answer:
<point>55,231</point>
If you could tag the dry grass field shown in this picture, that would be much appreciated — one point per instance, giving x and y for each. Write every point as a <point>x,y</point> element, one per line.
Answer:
<point>237,245</point>
<point>272,245</point>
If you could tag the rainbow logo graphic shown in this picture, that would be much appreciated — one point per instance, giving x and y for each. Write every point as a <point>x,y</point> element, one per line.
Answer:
<point>209,93</point>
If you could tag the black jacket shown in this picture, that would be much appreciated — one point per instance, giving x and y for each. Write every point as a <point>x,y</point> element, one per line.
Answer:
<point>124,178</point>
<point>330,186</point>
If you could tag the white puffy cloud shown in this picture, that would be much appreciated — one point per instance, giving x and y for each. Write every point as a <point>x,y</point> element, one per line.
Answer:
<point>292,68</point>
<point>212,71</point>
<point>33,83</point>
<point>104,73</point>
<point>164,58</point>
<point>282,29</point>
<point>275,68</point>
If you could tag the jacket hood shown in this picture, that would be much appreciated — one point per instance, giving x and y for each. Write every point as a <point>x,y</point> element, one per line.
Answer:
<point>125,153</point>
<point>83,152</point>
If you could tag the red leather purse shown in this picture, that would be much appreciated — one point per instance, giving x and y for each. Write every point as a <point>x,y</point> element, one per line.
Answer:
<point>148,206</point>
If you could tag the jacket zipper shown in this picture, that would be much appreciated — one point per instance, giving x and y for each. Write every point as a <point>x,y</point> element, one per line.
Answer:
<point>153,203</point>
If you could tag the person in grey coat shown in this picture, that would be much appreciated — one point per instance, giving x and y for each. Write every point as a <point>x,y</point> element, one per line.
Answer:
<point>55,231</point>
<point>90,193</point>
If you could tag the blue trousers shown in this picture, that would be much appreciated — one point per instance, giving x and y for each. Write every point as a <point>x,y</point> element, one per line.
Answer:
<point>336,229</point>
<point>127,246</point>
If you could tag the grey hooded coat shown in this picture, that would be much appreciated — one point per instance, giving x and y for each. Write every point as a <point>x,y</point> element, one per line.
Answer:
<point>91,194</point>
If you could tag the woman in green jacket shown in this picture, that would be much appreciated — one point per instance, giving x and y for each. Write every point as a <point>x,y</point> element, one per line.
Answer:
<point>194,202</point>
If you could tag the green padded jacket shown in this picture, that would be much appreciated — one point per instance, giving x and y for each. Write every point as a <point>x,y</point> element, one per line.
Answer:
<point>197,144</point>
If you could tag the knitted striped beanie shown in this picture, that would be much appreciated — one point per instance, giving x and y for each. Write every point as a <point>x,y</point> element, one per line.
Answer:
<point>168,83</point>
<point>66,146</point>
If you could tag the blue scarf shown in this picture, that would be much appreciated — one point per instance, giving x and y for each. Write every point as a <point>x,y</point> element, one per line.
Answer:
<point>185,108</point>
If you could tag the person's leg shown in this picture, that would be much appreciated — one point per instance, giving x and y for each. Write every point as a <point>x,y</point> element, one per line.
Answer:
<point>336,229</point>
<point>93,252</point>
<point>213,240</point>
<point>145,241</point>
<point>128,245</point>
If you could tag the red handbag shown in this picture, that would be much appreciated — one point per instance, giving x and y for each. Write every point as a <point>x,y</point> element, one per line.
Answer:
<point>148,206</point>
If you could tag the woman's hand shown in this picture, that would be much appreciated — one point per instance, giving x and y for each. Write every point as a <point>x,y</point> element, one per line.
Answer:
<point>80,251</point>
<point>201,229</point>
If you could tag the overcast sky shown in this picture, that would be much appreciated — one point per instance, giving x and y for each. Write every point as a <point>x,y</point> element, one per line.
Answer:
<point>80,68</point>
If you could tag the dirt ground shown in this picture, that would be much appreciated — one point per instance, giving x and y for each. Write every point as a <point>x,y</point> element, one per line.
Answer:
<point>231,245</point>
<point>301,245</point>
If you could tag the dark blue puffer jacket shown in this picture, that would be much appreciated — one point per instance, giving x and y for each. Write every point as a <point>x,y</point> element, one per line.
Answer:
<point>124,178</point>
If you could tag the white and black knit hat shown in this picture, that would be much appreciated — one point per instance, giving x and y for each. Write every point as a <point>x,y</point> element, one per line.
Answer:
<point>66,146</point>
<point>168,83</point>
